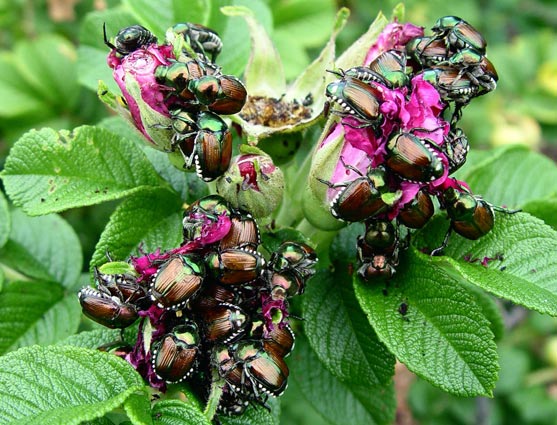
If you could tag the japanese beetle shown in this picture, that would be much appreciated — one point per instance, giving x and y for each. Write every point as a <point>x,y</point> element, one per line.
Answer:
<point>174,355</point>
<point>106,309</point>
<point>176,281</point>
<point>121,285</point>
<point>278,341</point>
<point>178,75</point>
<point>234,265</point>
<point>360,198</point>
<point>285,284</point>
<point>470,215</point>
<point>417,212</point>
<point>477,67</point>
<point>378,250</point>
<point>204,140</point>
<point>356,98</point>
<point>294,256</point>
<point>456,149</point>
<point>413,158</point>
<point>458,34</point>
<point>389,69</point>
<point>224,323</point>
<point>427,51</point>
<point>130,39</point>
<point>266,372</point>
<point>221,94</point>
<point>451,84</point>
<point>244,233</point>
<point>378,267</point>
<point>202,40</point>
<point>230,403</point>
<point>212,209</point>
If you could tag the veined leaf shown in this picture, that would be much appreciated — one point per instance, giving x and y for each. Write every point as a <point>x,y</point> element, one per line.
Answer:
<point>48,171</point>
<point>45,248</point>
<point>63,385</point>
<point>433,325</point>
<point>176,412</point>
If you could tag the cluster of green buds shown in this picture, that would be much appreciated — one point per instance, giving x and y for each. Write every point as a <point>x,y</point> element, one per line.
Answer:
<point>394,135</point>
<point>212,312</point>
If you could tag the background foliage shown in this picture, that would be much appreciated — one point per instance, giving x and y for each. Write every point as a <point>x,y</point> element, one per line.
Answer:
<point>52,56</point>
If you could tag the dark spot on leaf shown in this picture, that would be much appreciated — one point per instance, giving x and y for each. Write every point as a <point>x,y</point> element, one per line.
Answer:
<point>42,199</point>
<point>403,309</point>
<point>385,292</point>
<point>503,268</point>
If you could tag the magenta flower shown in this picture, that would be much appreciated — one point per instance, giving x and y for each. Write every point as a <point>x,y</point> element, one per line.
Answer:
<point>145,97</point>
<point>394,36</point>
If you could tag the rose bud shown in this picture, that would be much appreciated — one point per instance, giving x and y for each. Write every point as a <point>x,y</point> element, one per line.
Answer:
<point>252,183</point>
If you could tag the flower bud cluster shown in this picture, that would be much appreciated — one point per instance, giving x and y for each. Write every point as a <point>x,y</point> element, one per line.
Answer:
<point>212,309</point>
<point>176,94</point>
<point>399,115</point>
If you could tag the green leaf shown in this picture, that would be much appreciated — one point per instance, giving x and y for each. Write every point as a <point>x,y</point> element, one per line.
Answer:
<point>489,308</point>
<point>151,220</point>
<point>521,266</point>
<point>92,52</point>
<point>253,415</point>
<point>157,16</point>
<point>176,412</point>
<point>264,74</point>
<point>92,339</point>
<point>188,185</point>
<point>23,306</point>
<point>56,58</point>
<point>544,209</point>
<point>138,408</point>
<point>440,333</point>
<point>63,385</point>
<point>48,171</point>
<point>506,177</point>
<point>340,333</point>
<point>197,11</point>
<point>45,248</point>
<point>5,220</point>
<point>18,97</point>
<point>339,403</point>
<point>515,365</point>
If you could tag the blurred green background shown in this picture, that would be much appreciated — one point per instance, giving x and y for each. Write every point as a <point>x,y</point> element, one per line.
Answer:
<point>45,81</point>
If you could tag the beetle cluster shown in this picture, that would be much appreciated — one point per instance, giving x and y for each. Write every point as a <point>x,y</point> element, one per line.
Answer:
<point>195,93</point>
<point>214,308</point>
<point>400,111</point>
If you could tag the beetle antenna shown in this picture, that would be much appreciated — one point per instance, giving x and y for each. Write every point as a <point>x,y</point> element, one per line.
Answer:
<point>108,43</point>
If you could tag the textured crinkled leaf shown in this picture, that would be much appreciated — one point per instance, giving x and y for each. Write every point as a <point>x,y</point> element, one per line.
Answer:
<point>544,209</point>
<point>63,385</point>
<point>92,51</point>
<point>521,261</point>
<point>23,310</point>
<point>433,325</point>
<point>176,412</point>
<point>138,409</point>
<point>489,308</point>
<point>149,220</point>
<point>92,339</point>
<point>264,73</point>
<point>5,220</point>
<point>506,177</point>
<point>340,333</point>
<point>339,403</point>
<point>48,171</point>
<point>188,185</point>
<point>253,415</point>
<point>44,248</point>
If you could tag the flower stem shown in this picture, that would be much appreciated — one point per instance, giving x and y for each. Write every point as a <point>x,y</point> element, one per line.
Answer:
<point>12,274</point>
<point>214,397</point>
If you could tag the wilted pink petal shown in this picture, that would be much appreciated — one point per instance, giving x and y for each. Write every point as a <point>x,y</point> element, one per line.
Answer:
<point>141,65</point>
<point>271,308</point>
<point>394,36</point>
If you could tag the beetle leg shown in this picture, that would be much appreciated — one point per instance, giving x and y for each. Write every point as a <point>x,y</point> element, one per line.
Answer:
<point>331,185</point>
<point>108,43</point>
<point>438,250</point>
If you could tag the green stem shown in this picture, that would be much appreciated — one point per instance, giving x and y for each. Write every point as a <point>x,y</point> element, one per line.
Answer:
<point>541,377</point>
<point>214,397</point>
<point>321,238</point>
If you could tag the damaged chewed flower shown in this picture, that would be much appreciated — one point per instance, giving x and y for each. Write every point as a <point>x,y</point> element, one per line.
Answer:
<point>215,295</point>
